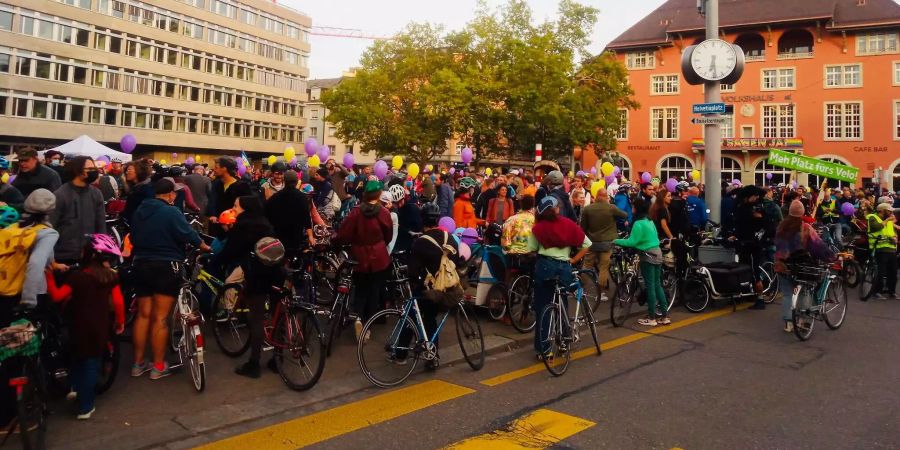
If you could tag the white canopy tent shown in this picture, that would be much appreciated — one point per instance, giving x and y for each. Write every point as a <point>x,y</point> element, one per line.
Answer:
<point>84,145</point>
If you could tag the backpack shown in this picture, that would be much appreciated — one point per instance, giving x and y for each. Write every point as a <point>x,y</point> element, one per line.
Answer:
<point>15,248</point>
<point>269,251</point>
<point>446,277</point>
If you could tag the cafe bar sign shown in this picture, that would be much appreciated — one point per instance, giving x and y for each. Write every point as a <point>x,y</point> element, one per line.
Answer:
<point>813,166</point>
<point>753,143</point>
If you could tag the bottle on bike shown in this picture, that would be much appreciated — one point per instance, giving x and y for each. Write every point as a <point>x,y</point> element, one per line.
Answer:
<point>644,237</point>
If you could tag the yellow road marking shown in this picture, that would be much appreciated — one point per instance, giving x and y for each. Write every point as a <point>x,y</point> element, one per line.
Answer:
<point>540,429</point>
<point>344,419</point>
<point>535,368</point>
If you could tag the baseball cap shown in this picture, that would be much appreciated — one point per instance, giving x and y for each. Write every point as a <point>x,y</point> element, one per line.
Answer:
<point>26,153</point>
<point>547,203</point>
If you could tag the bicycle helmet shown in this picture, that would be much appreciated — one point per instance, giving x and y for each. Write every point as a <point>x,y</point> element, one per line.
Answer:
<point>682,186</point>
<point>306,188</point>
<point>431,213</point>
<point>176,171</point>
<point>386,197</point>
<point>228,217</point>
<point>397,193</point>
<point>492,234</point>
<point>4,163</point>
<point>279,167</point>
<point>8,216</point>
<point>625,188</point>
<point>104,243</point>
<point>467,182</point>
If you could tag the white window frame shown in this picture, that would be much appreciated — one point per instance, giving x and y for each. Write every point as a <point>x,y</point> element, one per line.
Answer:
<point>842,76</point>
<point>687,170</point>
<point>896,124</point>
<point>778,127</point>
<point>778,79</point>
<point>842,127</point>
<point>727,88</point>
<point>862,39</point>
<point>730,170</point>
<point>622,133</point>
<point>730,124</point>
<point>649,59</point>
<point>665,110</point>
<point>668,84</point>
<point>896,73</point>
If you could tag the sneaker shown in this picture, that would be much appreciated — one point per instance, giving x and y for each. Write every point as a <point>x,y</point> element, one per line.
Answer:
<point>368,336</point>
<point>357,326</point>
<point>397,361</point>
<point>248,369</point>
<point>604,297</point>
<point>665,320</point>
<point>647,322</point>
<point>788,327</point>
<point>877,296</point>
<point>71,396</point>
<point>85,416</point>
<point>432,365</point>
<point>156,373</point>
<point>140,369</point>
<point>894,296</point>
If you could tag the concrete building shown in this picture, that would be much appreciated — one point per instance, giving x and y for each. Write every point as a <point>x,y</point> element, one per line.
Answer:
<point>822,78</point>
<point>193,77</point>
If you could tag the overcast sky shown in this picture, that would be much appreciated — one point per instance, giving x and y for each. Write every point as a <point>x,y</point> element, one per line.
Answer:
<point>332,55</point>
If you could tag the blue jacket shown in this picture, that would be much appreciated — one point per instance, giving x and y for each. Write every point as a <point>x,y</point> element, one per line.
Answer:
<point>696,209</point>
<point>624,203</point>
<point>160,232</point>
<point>445,200</point>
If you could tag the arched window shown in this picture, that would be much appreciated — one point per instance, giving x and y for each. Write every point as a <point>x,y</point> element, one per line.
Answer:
<point>896,179</point>
<point>815,180</point>
<point>795,43</point>
<point>753,45</point>
<point>731,169</point>
<point>677,167</point>
<point>779,174</point>
<point>625,166</point>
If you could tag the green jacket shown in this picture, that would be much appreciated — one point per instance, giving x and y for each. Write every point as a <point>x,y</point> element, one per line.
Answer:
<point>643,236</point>
<point>598,220</point>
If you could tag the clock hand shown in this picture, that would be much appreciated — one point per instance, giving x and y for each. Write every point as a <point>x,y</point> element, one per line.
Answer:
<point>712,64</point>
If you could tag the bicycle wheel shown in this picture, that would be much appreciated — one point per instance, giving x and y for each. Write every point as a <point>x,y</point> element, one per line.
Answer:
<point>554,338</point>
<point>387,354</point>
<point>518,304</point>
<point>834,306</point>
<point>590,288</point>
<point>592,325</point>
<point>670,287</point>
<point>326,279</point>
<point>231,328</point>
<point>335,322</point>
<point>31,407</point>
<point>622,301</point>
<point>471,341</point>
<point>695,294</point>
<point>193,354</point>
<point>770,282</point>
<point>852,273</point>
<point>109,365</point>
<point>496,301</point>
<point>803,324</point>
<point>300,352</point>
<point>867,282</point>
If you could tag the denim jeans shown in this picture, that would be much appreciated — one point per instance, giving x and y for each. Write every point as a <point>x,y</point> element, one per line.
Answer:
<point>545,271</point>
<point>84,375</point>
<point>786,287</point>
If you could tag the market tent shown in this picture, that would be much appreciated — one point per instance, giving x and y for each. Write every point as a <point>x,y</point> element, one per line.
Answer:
<point>84,145</point>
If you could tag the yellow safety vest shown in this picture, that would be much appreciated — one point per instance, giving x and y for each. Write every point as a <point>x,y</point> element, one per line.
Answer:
<point>882,238</point>
<point>829,209</point>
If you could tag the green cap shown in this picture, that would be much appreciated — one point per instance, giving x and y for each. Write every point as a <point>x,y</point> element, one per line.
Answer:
<point>374,186</point>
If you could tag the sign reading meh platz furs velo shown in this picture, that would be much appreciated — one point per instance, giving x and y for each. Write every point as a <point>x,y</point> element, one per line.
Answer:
<point>813,166</point>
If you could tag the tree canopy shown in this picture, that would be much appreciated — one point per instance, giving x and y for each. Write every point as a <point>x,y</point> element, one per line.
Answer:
<point>502,84</point>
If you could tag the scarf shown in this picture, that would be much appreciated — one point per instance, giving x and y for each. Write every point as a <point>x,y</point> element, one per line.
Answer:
<point>558,233</point>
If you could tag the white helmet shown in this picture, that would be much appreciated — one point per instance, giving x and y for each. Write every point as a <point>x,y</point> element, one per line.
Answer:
<point>397,193</point>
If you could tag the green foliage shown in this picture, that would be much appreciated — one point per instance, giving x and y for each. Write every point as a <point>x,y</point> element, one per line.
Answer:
<point>503,84</point>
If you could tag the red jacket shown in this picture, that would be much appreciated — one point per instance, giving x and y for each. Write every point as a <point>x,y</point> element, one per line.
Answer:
<point>508,211</point>
<point>368,229</point>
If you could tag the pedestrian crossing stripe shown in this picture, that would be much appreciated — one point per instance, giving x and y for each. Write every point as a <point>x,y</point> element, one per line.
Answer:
<point>541,428</point>
<point>344,419</point>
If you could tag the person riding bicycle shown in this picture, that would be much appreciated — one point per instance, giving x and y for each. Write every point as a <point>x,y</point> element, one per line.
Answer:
<point>749,228</point>
<point>645,238</point>
<point>553,237</point>
<point>827,213</point>
<point>87,293</point>
<point>795,240</point>
<point>882,236</point>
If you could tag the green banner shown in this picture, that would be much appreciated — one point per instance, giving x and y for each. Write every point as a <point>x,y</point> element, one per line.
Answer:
<point>813,166</point>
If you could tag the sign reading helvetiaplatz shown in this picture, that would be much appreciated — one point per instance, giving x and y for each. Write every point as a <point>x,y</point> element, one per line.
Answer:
<point>813,166</point>
<point>708,108</point>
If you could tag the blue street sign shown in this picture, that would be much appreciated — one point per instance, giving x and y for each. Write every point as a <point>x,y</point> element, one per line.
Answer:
<point>708,108</point>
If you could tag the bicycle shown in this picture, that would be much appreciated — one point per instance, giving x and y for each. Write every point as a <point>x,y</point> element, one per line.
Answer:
<point>869,271</point>
<point>403,337</point>
<point>628,285</point>
<point>187,319</point>
<point>830,295</point>
<point>30,387</point>
<point>520,298</point>
<point>563,333</point>
<point>339,315</point>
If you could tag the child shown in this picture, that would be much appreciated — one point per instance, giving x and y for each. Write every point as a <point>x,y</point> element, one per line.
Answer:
<point>90,293</point>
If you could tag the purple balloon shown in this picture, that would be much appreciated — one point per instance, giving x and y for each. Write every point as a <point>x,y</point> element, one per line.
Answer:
<point>447,224</point>
<point>128,142</point>
<point>794,184</point>
<point>580,173</point>
<point>310,146</point>
<point>103,158</point>
<point>848,209</point>
<point>737,183</point>
<point>324,153</point>
<point>189,161</point>
<point>452,170</point>
<point>380,169</point>
<point>469,236</point>
<point>594,171</point>
<point>617,170</point>
<point>768,175</point>
<point>466,155</point>
<point>293,162</point>
<point>242,169</point>
<point>671,183</point>
<point>174,155</point>
<point>610,180</point>
<point>239,161</point>
<point>11,178</point>
<point>646,177</point>
<point>348,160</point>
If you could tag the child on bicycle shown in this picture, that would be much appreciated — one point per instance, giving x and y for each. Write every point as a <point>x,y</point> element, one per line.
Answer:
<point>553,237</point>
<point>91,295</point>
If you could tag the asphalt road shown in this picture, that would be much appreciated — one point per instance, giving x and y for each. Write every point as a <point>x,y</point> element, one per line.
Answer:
<point>715,380</point>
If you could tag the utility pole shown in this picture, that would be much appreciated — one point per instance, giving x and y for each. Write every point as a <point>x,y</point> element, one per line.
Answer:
<point>712,134</point>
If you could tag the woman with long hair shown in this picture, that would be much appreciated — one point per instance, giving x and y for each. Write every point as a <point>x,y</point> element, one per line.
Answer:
<point>644,237</point>
<point>659,213</point>
<point>500,207</point>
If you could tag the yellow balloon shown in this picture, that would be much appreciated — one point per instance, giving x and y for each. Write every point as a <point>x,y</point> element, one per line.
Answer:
<point>162,161</point>
<point>5,178</point>
<point>289,153</point>
<point>595,186</point>
<point>314,161</point>
<point>413,170</point>
<point>488,171</point>
<point>571,174</point>
<point>607,169</point>
<point>272,159</point>
<point>429,167</point>
<point>695,175</point>
<point>196,158</point>
<point>397,162</point>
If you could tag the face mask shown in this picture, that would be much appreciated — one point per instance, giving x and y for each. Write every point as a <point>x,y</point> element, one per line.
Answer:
<point>92,176</point>
<point>54,162</point>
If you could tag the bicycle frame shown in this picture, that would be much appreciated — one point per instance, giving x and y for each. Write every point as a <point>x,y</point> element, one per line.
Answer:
<point>412,305</point>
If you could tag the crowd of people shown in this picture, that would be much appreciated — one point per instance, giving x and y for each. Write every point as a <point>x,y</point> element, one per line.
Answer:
<point>548,222</point>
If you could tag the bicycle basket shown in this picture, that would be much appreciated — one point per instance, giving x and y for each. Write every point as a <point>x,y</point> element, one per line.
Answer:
<point>806,273</point>
<point>20,338</point>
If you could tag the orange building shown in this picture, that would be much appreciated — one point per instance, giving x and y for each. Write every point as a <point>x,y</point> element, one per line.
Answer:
<point>822,78</point>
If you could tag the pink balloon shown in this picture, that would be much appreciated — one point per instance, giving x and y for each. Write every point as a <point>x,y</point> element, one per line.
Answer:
<point>465,252</point>
<point>452,170</point>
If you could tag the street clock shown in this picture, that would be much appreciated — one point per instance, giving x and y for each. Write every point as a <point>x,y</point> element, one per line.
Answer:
<point>712,60</point>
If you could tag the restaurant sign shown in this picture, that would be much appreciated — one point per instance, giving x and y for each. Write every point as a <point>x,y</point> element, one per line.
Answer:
<point>813,166</point>
<point>753,143</point>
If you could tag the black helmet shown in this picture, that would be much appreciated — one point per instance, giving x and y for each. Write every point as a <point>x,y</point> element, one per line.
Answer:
<point>176,171</point>
<point>279,167</point>
<point>493,233</point>
<point>431,213</point>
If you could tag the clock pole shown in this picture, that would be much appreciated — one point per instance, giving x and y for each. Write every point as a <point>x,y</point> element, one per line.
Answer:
<point>712,134</point>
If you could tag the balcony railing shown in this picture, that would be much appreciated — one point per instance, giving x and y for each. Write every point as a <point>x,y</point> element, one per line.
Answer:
<point>751,58</point>
<point>798,55</point>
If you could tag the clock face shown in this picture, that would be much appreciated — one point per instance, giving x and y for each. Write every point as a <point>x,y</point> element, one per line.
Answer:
<point>713,59</point>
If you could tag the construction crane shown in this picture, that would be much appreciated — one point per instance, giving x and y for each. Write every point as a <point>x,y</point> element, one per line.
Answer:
<point>346,33</point>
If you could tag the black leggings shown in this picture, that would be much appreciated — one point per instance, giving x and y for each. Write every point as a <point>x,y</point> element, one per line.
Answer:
<point>256,302</point>
<point>367,289</point>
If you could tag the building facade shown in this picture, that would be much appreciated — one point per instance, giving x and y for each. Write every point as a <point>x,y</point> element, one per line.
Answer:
<point>192,77</point>
<point>822,78</point>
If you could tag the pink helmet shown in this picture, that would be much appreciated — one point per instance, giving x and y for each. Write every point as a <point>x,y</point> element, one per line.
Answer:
<point>104,243</point>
